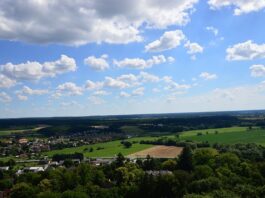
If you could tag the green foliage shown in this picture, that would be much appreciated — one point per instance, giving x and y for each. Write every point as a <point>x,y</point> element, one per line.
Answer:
<point>185,159</point>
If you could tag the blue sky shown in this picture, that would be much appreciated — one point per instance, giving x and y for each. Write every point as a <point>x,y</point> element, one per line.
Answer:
<point>144,56</point>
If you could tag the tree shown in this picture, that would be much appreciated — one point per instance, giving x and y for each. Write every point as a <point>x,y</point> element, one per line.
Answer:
<point>22,190</point>
<point>74,194</point>
<point>127,144</point>
<point>185,159</point>
<point>119,160</point>
<point>169,165</point>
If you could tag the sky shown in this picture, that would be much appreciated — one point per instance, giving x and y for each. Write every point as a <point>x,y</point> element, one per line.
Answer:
<point>109,57</point>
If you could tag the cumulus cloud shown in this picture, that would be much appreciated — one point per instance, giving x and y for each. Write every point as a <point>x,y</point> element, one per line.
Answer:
<point>99,64</point>
<point>138,63</point>
<point>115,83</point>
<point>96,100</point>
<point>4,97</point>
<point>100,93</point>
<point>6,82</point>
<point>69,88</point>
<point>90,85</point>
<point>193,48</point>
<point>138,92</point>
<point>241,6</point>
<point>173,86</point>
<point>35,70</point>
<point>124,94</point>
<point>146,77</point>
<point>212,29</point>
<point>208,76</point>
<point>169,40</point>
<point>257,70</point>
<point>245,51</point>
<point>25,91</point>
<point>81,22</point>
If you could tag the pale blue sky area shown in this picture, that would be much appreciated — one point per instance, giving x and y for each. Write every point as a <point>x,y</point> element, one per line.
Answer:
<point>65,58</point>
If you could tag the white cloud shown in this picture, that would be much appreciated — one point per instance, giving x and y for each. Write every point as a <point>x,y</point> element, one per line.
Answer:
<point>245,51</point>
<point>25,91</point>
<point>6,82</point>
<point>100,93</point>
<point>257,70</point>
<point>212,29</point>
<point>146,77</point>
<point>81,22</point>
<point>241,6</point>
<point>90,85</point>
<point>99,64</point>
<point>193,48</point>
<point>124,94</point>
<point>22,97</point>
<point>208,76</point>
<point>4,97</point>
<point>167,41</point>
<point>115,83</point>
<point>69,88</point>
<point>175,87</point>
<point>138,63</point>
<point>96,100</point>
<point>28,91</point>
<point>35,70</point>
<point>138,92</point>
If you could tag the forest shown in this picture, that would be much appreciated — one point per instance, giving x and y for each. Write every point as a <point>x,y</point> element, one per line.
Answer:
<point>219,172</point>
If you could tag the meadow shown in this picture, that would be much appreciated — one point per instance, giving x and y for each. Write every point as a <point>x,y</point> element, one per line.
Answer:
<point>107,149</point>
<point>230,135</point>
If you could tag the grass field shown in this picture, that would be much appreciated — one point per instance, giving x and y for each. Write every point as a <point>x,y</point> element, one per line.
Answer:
<point>111,149</point>
<point>252,136</point>
<point>225,136</point>
<point>17,131</point>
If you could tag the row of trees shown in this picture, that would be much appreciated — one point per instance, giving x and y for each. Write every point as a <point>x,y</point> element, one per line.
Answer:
<point>206,172</point>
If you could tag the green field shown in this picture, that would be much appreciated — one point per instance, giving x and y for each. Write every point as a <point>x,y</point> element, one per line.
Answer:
<point>111,148</point>
<point>245,136</point>
<point>225,136</point>
<point>18,131</point>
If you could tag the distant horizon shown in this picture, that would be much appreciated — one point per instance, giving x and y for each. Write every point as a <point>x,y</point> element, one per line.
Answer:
<point>105,57</point>
<point>141,114</point>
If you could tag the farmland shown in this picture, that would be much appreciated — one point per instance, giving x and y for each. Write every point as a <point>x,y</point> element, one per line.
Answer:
<point>158,152</point>
<point>106,149</point>
<point>230,135</point>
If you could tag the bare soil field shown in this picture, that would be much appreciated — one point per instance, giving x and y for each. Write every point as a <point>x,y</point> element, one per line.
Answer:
<point>158,152</point>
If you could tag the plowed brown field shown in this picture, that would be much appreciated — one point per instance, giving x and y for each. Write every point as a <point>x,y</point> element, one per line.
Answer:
<point>158,152</point>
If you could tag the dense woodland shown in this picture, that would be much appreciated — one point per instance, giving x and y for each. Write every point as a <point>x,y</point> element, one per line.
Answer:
<point>223,171</point>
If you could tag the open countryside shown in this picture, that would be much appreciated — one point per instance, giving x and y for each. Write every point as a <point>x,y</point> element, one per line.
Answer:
<point>230,135</point>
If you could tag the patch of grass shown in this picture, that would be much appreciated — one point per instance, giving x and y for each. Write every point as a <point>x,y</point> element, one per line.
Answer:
<point>18,131</point>
<point>252,136</point>
<point>212,131</point>
<point>109,149</point>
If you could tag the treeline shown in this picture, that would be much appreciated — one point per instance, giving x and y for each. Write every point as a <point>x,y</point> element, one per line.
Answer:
<point>224,172</point>
<point>173,142</point>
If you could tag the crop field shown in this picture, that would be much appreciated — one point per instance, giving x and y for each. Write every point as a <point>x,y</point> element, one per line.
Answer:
<point>158,152</point>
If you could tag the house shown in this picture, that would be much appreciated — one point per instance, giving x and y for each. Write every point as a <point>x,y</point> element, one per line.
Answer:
<point>4,168</point>
<point>33,169</point>
<point>159,172</point>
<point>23,141</point>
